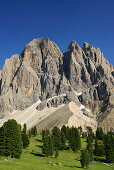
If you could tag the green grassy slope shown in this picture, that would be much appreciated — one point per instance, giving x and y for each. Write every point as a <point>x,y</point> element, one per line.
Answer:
<point>32,159</point>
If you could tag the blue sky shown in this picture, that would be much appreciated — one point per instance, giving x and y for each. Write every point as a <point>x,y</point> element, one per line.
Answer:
<point>62,21</point>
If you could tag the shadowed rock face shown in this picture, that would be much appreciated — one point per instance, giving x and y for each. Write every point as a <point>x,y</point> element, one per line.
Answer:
<point>42,71</point>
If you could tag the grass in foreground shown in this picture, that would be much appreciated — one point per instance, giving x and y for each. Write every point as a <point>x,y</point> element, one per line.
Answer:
<point>33,159</point>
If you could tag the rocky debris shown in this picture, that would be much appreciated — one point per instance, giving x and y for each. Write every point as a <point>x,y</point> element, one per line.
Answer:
<point>9,159</point>
<point>42,71</point>
<point>41,106</point>
<point>71,96</point>
<point>57,164</point>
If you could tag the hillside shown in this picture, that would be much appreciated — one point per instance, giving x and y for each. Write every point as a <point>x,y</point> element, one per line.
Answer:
<point>32,158</point>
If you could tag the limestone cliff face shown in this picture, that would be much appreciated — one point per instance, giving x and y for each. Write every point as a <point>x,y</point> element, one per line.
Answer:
<point>42,71</point>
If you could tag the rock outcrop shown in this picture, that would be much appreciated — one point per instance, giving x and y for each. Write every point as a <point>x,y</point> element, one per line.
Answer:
<point>42,72</point>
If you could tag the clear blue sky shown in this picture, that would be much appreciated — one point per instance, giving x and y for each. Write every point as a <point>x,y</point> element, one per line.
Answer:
<point>61,20</point>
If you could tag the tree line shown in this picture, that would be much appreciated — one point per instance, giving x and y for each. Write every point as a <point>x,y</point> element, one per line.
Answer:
<point>56,139</point>
<point>13,138</point>
<point>98,144</point>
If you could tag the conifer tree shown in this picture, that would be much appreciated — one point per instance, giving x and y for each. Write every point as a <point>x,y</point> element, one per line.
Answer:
<point>85,158</point>
<point>11,140</point>
<point>74,139</point>
<point>90,150</point>
<point>63,141</point>
<point>56,137</point>
<point>64,130</point>
<point>48,146</point>
<point>99,149</point>
<point>99,133</point>
<point>109,148</point>
<point>29,133</point>
<point>89,143</point>
<point>44,134</point>
<point>2,141</point>
<point>25,137</point>
<point>34,131</point>
<point>24,128</point>
<point>25,140</point>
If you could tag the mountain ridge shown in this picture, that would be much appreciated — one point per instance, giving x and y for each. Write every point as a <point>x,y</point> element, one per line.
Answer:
<point>42,71</point>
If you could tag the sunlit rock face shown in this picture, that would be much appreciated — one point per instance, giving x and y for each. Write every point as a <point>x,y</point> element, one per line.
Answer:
<point>81,75</point>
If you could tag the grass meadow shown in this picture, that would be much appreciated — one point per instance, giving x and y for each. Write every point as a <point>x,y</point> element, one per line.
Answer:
<point>33,159</point>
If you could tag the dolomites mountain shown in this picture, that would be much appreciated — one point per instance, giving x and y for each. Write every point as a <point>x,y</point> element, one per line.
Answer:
<point>45,87</point>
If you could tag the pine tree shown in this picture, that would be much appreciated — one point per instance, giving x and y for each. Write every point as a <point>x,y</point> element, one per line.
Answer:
<point>63,141</point>
<point>74,139</point>
<point>90,150</point>
<point>24,128</point>
<point>34,131</point>
<point>85,158</point>
<point>11,140</point>
<point>25,140</point>
<point>99,133</point>
<point>44,134</point>
<point>109,148</point>
<point>56,136</point>
<point>48,146</point>
<point>64,130</point>
<point>29,133</point>
<point>2,141</point>
<point>25,137</point>
<point>99,149</point>
<point>89,143</point>
<point>56,153</point>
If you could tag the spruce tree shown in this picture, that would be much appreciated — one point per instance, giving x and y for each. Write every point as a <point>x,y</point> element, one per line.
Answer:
<point>34,131</point>
<point>74,139</point>
<point>25,137</point>
<point>24,128</point>
<point>64,130</point>
<point>2,141</point>
<point>63,141</point>
<point>99,133</point>
<point>85,158</point>
<point>56,136</point>
<point>89,143</point>
<point>47,148</point>
<point>29,133</point>
<point>12,139</point>
<point>109,148</point>
<point>44,134</point>
<point>90,150</point>
<point>99,149</point>
<point>25,140</point>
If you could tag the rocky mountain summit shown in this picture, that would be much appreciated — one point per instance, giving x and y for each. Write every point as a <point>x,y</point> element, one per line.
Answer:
<point>42,73</point>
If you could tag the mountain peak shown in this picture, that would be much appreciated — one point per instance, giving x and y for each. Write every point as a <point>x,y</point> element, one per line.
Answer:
<point>82,76</point>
